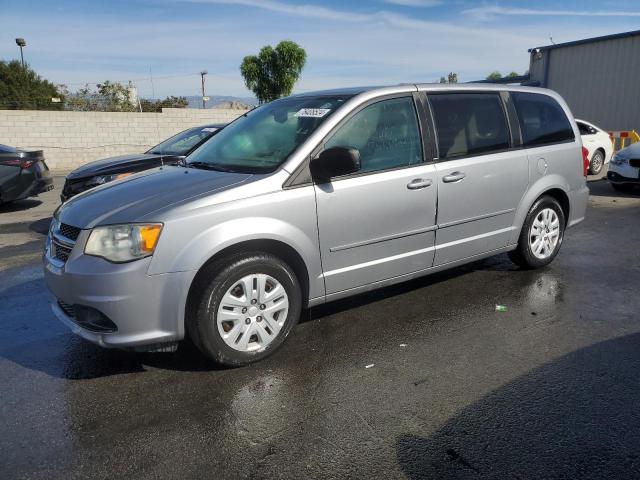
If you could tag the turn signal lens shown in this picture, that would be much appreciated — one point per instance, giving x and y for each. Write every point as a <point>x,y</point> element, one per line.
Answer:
<point>149,235</point>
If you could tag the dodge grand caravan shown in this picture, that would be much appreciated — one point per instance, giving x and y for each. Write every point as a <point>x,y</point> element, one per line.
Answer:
<point>312,198</point>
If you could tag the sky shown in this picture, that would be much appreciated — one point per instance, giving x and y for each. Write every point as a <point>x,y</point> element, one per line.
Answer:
<point>161,45</point>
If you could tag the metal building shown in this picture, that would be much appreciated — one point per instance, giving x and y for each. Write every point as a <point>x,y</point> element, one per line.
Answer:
<point>598,77</point>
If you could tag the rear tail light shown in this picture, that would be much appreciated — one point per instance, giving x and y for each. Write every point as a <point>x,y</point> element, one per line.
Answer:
<point>17,162</point>
<point>585,161</point>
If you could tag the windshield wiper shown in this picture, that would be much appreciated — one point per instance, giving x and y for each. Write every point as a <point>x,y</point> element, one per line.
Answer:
<point>207,166</point>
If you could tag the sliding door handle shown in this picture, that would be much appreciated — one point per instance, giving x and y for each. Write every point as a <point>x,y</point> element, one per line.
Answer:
<point>453,177</point>
<point>418,183</point>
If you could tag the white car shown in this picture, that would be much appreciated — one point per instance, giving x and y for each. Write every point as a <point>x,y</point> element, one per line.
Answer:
<point>624,171</point>
<point>598,143</point>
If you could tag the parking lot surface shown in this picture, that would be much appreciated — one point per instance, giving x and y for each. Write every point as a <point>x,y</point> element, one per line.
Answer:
<point>548,388</point>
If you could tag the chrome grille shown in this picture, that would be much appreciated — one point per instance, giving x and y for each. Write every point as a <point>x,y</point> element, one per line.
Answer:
<point>60,242</point>
<point>69,231</point>
<point>66,308</point>
<point>61,252</point>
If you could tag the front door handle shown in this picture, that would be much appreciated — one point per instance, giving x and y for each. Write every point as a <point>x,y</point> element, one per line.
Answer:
<point>453,177</point>
<point>418,183</point>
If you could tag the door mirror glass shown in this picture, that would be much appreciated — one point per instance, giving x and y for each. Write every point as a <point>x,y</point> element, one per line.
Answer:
<point>335,162</point>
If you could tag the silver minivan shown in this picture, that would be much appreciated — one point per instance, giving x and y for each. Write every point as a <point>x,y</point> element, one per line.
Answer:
<point>313,198</point>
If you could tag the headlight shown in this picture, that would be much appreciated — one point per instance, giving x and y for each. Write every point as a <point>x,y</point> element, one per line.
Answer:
<point>101,179</point>
<point>617,160</point>
<point>123,243</point>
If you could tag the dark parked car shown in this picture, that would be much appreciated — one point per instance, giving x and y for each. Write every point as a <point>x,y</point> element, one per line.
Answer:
<point>171,151</point>
<point>22,174</point>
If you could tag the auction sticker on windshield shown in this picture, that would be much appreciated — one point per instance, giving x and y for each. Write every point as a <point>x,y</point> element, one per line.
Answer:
<point>312,112</point>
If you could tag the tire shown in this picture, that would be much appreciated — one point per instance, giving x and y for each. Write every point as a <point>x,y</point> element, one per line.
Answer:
<point>221,306</point>
<point>524,255</point>
<point>597,163</point>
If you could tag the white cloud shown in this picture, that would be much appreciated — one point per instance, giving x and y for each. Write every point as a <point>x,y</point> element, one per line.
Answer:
<point>387,18</point>
<point>344,48</point>
<point>415,3</point>
<point>310,11</point>
<point>488,12</point>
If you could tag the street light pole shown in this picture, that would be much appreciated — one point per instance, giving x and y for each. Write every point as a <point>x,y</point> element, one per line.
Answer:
<point>21,43</point>
<point>202,74</point>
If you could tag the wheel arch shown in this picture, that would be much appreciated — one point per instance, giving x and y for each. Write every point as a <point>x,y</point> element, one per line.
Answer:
<point>562,198</point>
<point>546,186</point>
<point>278,248</point>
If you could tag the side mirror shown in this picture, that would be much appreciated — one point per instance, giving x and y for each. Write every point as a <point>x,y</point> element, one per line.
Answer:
<point>335,162</point>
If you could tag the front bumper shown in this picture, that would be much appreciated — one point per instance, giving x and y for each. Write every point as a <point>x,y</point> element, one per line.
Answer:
<point>615,177</point>
<point>146,309</point>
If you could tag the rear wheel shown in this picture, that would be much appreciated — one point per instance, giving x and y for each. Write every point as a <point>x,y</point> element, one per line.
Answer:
<point>541,235</point>
<point>597,162</point>
<point>246,307</point>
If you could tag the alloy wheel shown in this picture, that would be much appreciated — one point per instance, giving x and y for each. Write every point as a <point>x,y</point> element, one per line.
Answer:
<point>544,234</point>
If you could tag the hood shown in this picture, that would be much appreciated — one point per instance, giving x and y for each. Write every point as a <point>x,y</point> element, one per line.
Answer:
<point>119,164</point>
<point>136,197</point>
<point>632,151</point>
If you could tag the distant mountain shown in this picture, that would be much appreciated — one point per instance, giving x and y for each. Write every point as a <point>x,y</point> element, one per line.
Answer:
<point>228,101</point>
<point>233,105</point>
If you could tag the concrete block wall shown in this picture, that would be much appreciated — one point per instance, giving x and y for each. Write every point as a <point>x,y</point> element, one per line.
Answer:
<point>71,139</point>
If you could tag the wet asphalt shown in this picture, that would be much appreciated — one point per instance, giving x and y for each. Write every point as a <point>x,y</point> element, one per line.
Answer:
<point>454,389</point>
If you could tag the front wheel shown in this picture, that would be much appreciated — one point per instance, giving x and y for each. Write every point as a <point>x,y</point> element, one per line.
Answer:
<point>246,307</point>
<point>596,163</point>
<point>541,235</point>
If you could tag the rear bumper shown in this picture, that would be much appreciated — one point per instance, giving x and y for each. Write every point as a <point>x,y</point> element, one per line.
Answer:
<point>578,200</point>
<point>43,185</point>
<point>618,179</point>
<point>26,183</point>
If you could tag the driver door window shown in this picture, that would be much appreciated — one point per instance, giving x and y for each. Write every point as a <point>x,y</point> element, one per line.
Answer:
<point>385,133</point>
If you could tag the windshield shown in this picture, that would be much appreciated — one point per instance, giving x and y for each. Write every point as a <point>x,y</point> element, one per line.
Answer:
<point>184,142</point>
<point>261,140</point>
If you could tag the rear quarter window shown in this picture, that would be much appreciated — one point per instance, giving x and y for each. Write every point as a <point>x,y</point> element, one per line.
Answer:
<point>542,120</point>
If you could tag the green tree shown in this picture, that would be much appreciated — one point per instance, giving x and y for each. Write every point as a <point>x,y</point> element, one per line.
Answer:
<point>158,105</point>
<point>451,78</point>
<point>116,96</point>
<point>21,88</point>
<point>274,72</point>
<point>494,76</point>
<point>106,97</point>
<point>513,75</point>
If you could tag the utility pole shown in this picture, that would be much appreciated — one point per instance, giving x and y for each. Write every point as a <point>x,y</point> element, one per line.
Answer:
<point>202,74</point>
<point>21,43</point>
